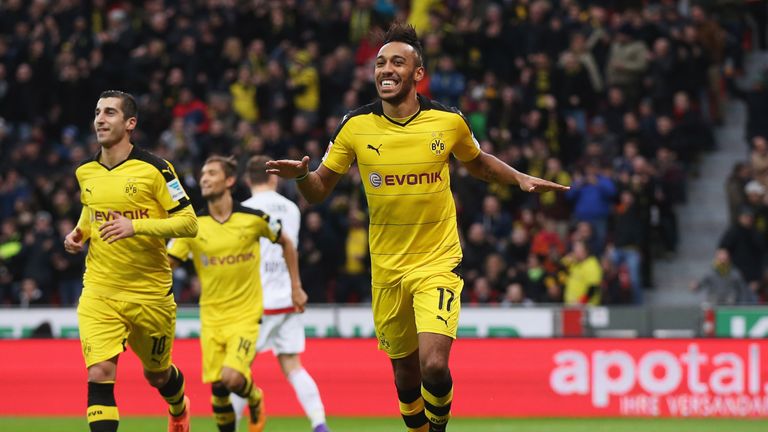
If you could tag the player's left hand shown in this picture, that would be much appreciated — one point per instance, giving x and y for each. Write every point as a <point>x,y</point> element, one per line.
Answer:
<point>299,298</point>
<point>116,228</point>
<point>534,184</point>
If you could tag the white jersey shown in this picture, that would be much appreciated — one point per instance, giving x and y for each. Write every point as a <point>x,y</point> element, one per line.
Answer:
<point>275,279</point>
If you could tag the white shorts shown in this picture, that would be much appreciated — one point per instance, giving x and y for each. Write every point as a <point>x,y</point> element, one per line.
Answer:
<point>282,333</point>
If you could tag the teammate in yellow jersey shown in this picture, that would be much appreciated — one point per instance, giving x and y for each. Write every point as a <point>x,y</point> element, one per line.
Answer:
<point>226,257</point>
<point>132,201</point>
<point>402,145</point>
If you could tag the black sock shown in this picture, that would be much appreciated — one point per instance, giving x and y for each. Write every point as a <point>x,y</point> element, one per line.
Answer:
<point>437,403</point>
<point>102,409</point>
<point>173,392</point>
<point>412,409</point>
<point>222,408</point>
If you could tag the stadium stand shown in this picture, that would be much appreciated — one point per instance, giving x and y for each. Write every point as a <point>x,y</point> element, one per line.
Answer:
<point>616,98</point>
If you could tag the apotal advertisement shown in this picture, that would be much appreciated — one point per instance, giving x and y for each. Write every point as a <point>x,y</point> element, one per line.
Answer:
<point>492,378</point>
<point>685,378</point>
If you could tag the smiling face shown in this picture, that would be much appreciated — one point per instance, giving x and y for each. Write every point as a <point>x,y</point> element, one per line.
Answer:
<point>397,71</point>
<point>110,123</point>
<point>214,181</point>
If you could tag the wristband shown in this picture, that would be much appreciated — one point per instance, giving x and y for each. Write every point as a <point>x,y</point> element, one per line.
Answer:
<point>302,177</point>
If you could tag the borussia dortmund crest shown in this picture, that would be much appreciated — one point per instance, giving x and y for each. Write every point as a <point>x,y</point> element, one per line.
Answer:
<point>131,188</point>
<point>437,145</point>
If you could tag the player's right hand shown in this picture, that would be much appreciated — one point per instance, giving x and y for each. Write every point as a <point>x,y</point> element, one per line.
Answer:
<point>299,298</point>
<point>287,168</point>
<point>73,242</point>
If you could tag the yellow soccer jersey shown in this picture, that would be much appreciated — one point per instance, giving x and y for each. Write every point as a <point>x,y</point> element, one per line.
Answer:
<point>404,169</point>
<point>144,186</point>
<point>226,258</point>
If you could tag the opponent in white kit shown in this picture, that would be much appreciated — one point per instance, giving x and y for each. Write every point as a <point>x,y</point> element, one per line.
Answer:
<point>282,330</point>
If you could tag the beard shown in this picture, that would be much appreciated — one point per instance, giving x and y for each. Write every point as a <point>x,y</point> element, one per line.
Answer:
<point>112,138</point>
<point>397,98</point>
<point>210,195</point>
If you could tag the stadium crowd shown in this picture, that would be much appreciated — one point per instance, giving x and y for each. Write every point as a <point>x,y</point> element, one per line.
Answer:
<point>616,98</point>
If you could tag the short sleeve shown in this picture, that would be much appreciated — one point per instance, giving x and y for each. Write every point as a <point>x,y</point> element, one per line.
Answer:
<point>466,147</point>
<point>169,191</point>
<point>340,154</point>
<point>179,248</point>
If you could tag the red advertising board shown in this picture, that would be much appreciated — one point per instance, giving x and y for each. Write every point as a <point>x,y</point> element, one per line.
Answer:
<point>493,377</point>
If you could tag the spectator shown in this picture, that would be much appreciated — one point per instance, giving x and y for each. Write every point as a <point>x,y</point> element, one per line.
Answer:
<point>627,61</point>
<point>758,157</point>
<point>318,257</point>
<point>193,111</point>
<point>482,292</point>
<point>583,275</point>
<point>243,93</point>
<point>495,220</point>
<point>723,284</point>
<point>627,242</point>
<point>735,188</point>
<point>447,85</point>
<point>30,294</point>
<point>305,84</point>
<point>354,284</point>
<point>476,248</point>
<point>745,247</point>
<point>514,295</point>
<point>592,194</point>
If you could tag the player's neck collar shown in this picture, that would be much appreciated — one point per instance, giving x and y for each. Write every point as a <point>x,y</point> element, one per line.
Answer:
<point>131,155</point>
<point>423,105</point>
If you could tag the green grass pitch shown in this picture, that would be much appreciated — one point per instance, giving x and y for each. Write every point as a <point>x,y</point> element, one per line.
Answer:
<point>352,424</point>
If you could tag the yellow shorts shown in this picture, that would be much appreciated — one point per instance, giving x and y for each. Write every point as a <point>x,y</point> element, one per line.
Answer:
<point>422,301</point>
<point>231,345</point>
<point>106,325</point>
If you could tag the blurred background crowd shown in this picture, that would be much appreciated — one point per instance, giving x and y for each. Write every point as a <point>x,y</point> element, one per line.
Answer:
<point>616,98</point>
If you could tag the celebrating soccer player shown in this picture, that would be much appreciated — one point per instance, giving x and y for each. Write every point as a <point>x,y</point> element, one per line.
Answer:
<point>402,145</point>
<point>132,201</point>
<point>226,257</point>
<point>282,330</point>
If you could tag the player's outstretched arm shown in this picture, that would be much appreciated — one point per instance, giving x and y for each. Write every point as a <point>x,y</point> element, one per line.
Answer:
<point>298,295</point>
<point>315,186</point>
<point>489,168</point>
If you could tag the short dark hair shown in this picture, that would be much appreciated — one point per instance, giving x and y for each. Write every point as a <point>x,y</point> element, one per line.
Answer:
<point>257,169</point>
<point>128,102</point>
<point>405,33</point>
<point>228,164</point>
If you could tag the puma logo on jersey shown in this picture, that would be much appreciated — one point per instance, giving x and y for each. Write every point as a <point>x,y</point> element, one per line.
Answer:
<point>89,191</point>
<point>376,149</point>
<point>443,320</point>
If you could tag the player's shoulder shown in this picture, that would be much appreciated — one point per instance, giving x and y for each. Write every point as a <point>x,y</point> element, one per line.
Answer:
<point>87,164</point>
<point>249,212</point>
<point>349,119</point>
<point>448,113</point>
<point>439,108</point>
<point>158,163</point>
<point>202,212</point>
<point>269,199</point>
